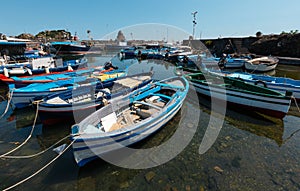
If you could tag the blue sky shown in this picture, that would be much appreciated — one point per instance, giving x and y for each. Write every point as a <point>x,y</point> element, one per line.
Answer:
<point>215,18</point>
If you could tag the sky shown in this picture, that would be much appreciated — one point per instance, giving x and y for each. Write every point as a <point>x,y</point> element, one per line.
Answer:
<point>160,19</point>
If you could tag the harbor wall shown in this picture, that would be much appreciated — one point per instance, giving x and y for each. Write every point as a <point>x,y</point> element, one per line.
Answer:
<point>283,45</point>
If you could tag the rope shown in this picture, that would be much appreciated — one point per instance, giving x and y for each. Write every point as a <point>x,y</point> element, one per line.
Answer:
<point>293,97</point>
<point>31,132</point>
<point>294,133</point>
<point>254,69</point>
<point>10,95</point>
<point>41,169</point>
<point>37,154</point>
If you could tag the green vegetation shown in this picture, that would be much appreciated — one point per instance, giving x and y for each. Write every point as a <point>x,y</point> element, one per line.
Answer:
<point>292,32</point>
<point>47,35</point>
<point>208,42</point>
<point>259,34</point>
<point>54,35</point>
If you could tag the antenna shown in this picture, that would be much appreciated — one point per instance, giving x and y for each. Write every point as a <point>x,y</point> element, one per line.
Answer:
<point>194,22</point>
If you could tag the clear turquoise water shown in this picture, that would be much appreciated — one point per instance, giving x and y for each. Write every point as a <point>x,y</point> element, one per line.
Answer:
<point>252,151</point>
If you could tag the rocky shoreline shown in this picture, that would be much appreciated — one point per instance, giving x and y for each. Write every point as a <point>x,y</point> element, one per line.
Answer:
<point>283,45</point>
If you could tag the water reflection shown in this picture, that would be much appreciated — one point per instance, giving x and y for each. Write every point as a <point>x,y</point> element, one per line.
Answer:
<point>264,126</point>
<point>22,117</point>
<point>258,124</point>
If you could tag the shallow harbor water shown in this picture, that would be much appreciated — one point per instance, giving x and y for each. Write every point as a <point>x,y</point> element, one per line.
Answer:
<point>251,152</point>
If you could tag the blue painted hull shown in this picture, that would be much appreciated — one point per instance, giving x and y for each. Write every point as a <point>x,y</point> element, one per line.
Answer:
<point>71,49</point>
<point>22,97</point>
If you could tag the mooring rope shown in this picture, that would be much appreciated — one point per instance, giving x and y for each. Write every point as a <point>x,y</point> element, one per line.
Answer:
<point>10,95</point>
<point>254,69</point>
<point>293,97</point>
<point>41,169</point>
<point>294,133</point>
<point>34,155</point>
<point>31,132</point>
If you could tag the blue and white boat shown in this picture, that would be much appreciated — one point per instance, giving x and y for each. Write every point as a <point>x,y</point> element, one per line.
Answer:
<point>17,82</point>
<point>280,84</point>
<point>128,120</point>
<point>33,63</point>
<point>234,62</point>
<point>80,101</point>
<point>240,94</point>
<point>22,97</point>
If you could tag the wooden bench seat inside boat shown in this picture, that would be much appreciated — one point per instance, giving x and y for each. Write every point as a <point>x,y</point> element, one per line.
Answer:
<point>145,113</point>
<point>125,119</point>
<point>132,82</point>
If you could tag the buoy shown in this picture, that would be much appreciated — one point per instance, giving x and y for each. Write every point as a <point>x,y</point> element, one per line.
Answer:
<point>47,70</point>
<point>5,71</point>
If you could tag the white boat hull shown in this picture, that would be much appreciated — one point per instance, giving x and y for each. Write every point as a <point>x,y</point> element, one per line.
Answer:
<point>263,64</point>
<point>96,142</point>
<point>270,106</point>
<point>93,148</point>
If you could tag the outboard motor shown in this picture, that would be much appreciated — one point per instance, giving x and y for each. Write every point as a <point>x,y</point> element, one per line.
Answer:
<point>109,65</point>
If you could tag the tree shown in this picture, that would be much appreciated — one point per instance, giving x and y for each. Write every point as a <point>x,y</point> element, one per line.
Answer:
<point>26,36</point>
<point>259,34</point>
<point>54,34</point>
<point>294,32</point>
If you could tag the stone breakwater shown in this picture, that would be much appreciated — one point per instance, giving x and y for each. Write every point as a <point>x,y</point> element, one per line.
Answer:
<point>283,45</point>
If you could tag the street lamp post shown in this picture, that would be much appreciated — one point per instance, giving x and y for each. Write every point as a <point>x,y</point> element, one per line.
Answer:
<point>194,22</point>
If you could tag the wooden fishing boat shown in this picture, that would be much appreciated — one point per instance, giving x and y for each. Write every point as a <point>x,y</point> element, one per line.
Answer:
<point>69,47</point>
<point>241,94</point>
<point>22,97</point>
<point>262,64</point>
<point>280,84</point>
<point>128,120</point>
<point>81,101</point>
<point>33,64</point>
<point>18,82</point>
<point>109,74</point>
<point>234,63</point>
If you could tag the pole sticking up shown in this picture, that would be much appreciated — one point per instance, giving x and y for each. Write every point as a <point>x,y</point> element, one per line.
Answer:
<point>194,23</point>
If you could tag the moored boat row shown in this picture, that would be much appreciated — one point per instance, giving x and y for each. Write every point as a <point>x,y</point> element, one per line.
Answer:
<point>129,109</point>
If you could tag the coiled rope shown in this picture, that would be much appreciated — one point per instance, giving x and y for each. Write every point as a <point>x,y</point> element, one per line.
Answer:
<point>41,169</point>
<point>10,95</point>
